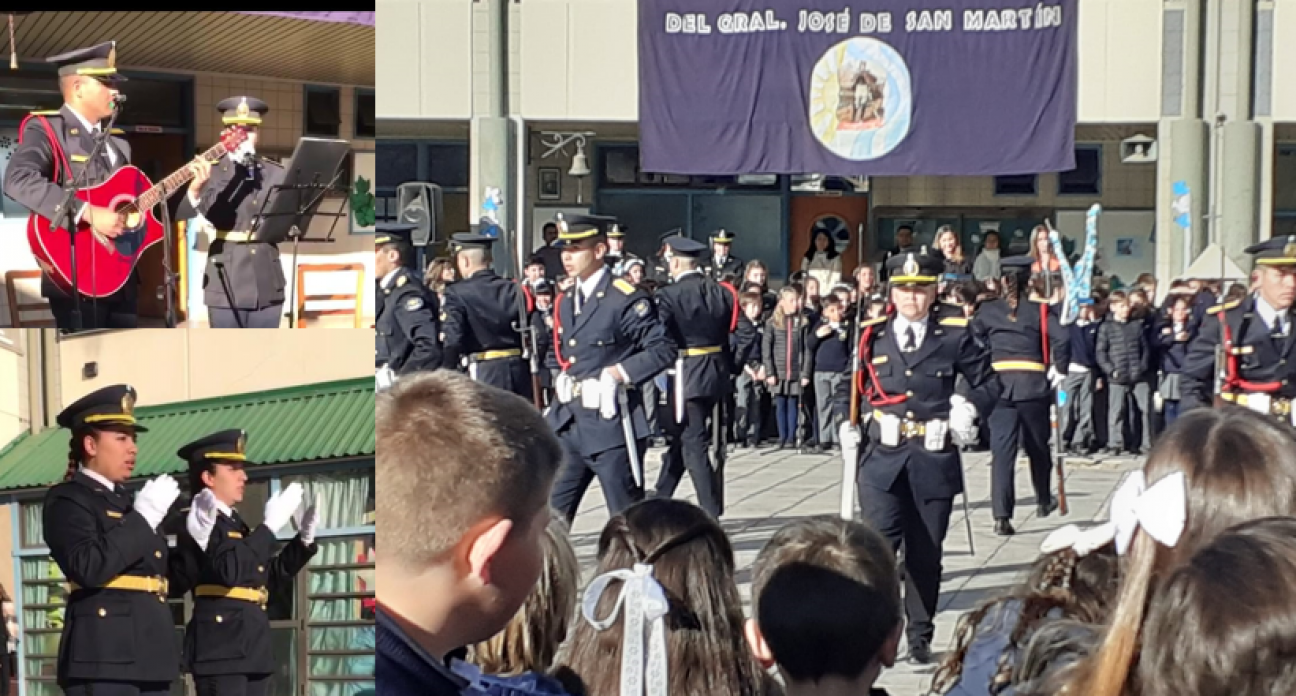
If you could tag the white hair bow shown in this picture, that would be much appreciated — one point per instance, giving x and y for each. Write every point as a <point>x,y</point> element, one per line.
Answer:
<point>1082,541</point>
<point>1160,510</point>
<point>645,606</point>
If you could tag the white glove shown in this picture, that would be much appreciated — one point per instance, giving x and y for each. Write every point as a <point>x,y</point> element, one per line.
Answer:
<point>280,509</point>
<point>384,378</point>
<point>1055,379</point>
<point>608,386</point>
<point>155,498</point>
<point>962,419</point>
<point>849,436</point>
<point>308,521</point>
<point>202,518</point>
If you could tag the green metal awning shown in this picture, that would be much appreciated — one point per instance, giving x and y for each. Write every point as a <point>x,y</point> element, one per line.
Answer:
<point>314,422</point>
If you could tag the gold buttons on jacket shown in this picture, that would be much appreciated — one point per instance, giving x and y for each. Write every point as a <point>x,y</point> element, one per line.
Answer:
<point>220,619</point>
<point>103,612</point>
<point>909,393</point>
<point>157,554</point>
<point>260,569</point>
<point>572,342</point>
<point>908,373</point>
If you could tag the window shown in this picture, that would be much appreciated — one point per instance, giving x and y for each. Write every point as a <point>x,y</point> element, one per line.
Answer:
<point>340,584</point>
<point>154,103</point>
<point>364,114</point>
<point>1085,179</point>
<point>322,111</point>
<point>1015,185</point>
<point>619,166</point>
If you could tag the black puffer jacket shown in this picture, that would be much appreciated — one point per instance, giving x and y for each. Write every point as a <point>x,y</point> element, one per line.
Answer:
<point>1123,351</point>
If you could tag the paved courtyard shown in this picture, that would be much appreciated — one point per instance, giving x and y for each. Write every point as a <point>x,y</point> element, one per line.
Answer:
<point>765,490</point>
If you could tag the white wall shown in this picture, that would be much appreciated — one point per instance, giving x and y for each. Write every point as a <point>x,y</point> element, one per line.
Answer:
<point>580,60</point>
<point>424,67</point>
<point>1284,60</point>
<point>1113,226</point>
<point>1120,60</point>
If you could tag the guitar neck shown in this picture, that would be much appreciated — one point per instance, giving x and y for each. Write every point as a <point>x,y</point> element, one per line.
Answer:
<point>164,188</point>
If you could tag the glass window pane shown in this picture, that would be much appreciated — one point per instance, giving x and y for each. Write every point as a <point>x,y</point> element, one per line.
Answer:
<point>283,682</point>
<point>755,220</point>
<point>647,215</point>
<point>346,497</point>
<point>33,525</point>
<point>43,688</point>
<point>322,112</point>
<point>42,643</point>
<point>396,163</point>
<point>364,125</point>
<point>349,688</point>
<point>153,103</point>
<point>42,667</point>
<point>447,164</point>
<point>342,637</point>
<point>342,666</point>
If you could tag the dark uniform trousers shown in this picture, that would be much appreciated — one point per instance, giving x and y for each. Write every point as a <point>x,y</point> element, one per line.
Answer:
<point>1021,411</point>
<point>115,640</point>
<point>478,316</point>
<point>227,643</point>
<point>244,284</point>
<point>697,314</point>
<point>406,329</point>
<point>617,325</point>
<point>906,491</point>
<point>28,179</point>
<point>1260,359</point>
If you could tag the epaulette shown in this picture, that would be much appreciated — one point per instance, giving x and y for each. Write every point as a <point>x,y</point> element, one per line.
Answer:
<point>954,321</point>
<point>873,322</point>
<point>624,286</point>
<point>116,131</point>
<point>55,112</point>
<point>1226,305</point>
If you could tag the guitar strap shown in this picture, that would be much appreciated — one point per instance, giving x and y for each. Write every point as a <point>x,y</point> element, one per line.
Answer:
<point>60,157</point>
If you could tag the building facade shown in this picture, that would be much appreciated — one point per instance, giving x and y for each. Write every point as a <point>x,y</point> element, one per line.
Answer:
<point>471,93</point>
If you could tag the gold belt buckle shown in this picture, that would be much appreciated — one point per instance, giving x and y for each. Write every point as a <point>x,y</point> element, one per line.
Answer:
<point>263,595</point>
<point>911,429</point>
<point>164,587</point>
<point>1281,407</point>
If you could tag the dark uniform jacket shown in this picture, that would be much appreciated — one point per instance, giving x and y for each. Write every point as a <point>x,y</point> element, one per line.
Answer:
<point>1019,340</point>
<point>232,636</point>
<point>94,534</point>
<point>925,379</point>
<point>697,313</point>
<point>732,265</point>
<point>618,325</point>
<point>1260,359</point>
<point>406,327</point>
<point>240,275</point>
<point>28,178</point>
<point>480,314</point>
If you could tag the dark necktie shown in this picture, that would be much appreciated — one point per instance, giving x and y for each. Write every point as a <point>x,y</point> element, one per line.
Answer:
<point>911,340</point>
<point>1279,327</point>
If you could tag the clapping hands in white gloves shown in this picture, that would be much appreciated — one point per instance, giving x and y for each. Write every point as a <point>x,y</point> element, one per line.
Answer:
<point>308,521</point>
<point>202,517</point>
<point>963,419</point>
<point>280,508</point>
<point>155,498</point>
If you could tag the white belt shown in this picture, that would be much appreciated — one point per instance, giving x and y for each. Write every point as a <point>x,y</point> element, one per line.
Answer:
<point>894,430</point>
<point>594,393</point>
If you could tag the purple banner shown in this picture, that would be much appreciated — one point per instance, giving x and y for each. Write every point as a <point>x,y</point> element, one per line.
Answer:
<point>366,18</point>
<point>855,87</point>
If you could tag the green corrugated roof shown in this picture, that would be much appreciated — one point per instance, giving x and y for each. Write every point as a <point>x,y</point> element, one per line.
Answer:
<point>328,420</point>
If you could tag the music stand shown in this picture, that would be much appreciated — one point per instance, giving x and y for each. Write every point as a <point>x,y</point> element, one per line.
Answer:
<point>289,207</point>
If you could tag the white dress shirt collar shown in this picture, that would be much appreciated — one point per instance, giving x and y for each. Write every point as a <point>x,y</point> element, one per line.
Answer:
<point>1269,314</point>
<point>99,477</point>
<point>901,325</point>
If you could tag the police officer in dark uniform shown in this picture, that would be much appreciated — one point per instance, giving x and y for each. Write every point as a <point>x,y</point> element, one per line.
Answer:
<point>1257,337</point>
<point>88,80</point>
<point>406,327</point>
<point>618,259</point>
<point>660,270</point>
<point>227,642</point>
<point>118,632</point>
<point>722,263</point>
<point>909,468</point>
<point>479,318</point>
<point>1015,328</point>
<point>698,316</point>
<point>607,340</point>
<point>243,286</point>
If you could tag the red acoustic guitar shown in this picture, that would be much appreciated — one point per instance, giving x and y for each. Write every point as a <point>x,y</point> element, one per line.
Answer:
<point>104,265</point>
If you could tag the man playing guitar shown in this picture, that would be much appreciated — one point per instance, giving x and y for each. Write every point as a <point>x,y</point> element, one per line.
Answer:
<point>87,79</point>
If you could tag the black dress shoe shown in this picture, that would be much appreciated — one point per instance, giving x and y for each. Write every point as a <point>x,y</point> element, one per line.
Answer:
<point>1003,527</point>
<point>920,653</point>
<point>1046,509</point>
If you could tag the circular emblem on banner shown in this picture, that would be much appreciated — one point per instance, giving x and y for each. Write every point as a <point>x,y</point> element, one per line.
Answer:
<point>860,99</point>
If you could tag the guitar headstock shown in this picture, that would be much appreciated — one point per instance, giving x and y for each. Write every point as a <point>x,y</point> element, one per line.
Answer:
<point>232,137</point>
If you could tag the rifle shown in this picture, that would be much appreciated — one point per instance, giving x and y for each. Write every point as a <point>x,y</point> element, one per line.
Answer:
<point>718,444</point>
<point>850,455</point>
<point>527,332</point>
<point>1059,458</point>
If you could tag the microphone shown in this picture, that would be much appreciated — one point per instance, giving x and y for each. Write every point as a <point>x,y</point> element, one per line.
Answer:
<point>119,99</point>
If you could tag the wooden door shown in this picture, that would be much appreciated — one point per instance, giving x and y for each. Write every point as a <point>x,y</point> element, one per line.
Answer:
<point>838,211</point>
<point>158,155</point>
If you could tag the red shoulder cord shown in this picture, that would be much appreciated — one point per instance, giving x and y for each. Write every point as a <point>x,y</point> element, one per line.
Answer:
<point>1044,342</point>
<point>733,321</point>
<point>557,343</point>
<point>873,386</point>
<point>530,298</point>
<point>1232,380</point>
<point>60,156</point>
